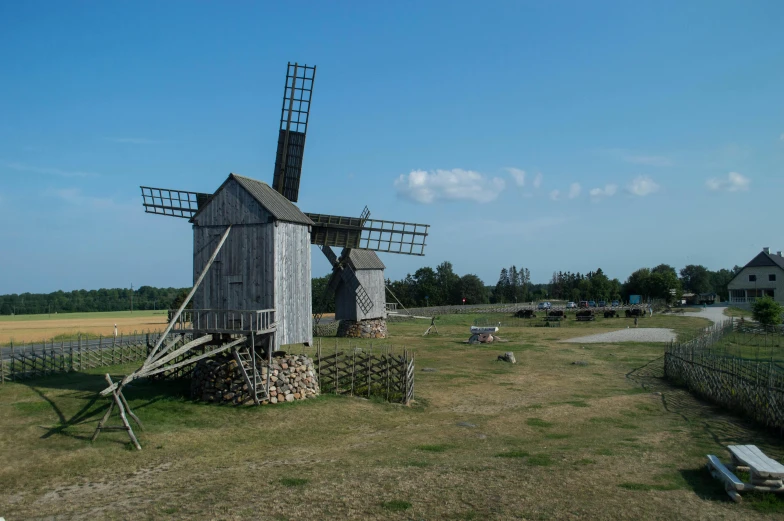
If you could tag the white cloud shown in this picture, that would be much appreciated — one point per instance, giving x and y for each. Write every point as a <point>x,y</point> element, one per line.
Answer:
<point>132,140</point>
<point>637,158</point>
<point>75,197</point>
<point>555,195</point>
<point>642,186</point>
<point>648,160</point>
<point>20,167</point>
<point>528,229</point>
<point>518,175</point>
<point>448,185</point>
<point>734,182</point>
<point>574,190</point>
<point>781,137</point>
<point>538,180</point>
<point>599,193</point>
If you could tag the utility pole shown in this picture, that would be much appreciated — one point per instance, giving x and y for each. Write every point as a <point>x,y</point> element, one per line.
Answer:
<point>131,298</point>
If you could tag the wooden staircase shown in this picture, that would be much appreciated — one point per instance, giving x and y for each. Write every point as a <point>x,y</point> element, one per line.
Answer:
<point>245,357</point>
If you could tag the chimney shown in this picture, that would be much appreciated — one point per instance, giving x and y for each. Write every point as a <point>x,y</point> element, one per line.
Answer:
<point>778,253</point>
<point>766,250</point>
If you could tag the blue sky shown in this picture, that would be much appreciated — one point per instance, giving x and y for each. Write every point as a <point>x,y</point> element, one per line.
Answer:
<point>550,135</point>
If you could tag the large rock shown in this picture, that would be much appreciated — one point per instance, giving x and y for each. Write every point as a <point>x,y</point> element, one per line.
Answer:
<point>507,357</point>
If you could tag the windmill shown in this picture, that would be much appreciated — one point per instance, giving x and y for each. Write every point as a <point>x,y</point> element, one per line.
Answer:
<point>251,255</point>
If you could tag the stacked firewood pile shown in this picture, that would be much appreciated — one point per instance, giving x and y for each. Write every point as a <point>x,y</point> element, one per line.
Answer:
<point>556,313</point>
<point>610,313</point>
<point>585,314</point>
<point>525,313</point>
<point>636,312</point>
<point>220,379</point>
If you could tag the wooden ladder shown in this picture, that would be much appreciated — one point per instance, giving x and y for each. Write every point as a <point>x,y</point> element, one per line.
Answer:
<point>246,358</point>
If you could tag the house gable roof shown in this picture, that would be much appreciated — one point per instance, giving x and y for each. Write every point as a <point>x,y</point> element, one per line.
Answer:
<point>762,260</point>
<point>276,204</point>
<point>765,259</point>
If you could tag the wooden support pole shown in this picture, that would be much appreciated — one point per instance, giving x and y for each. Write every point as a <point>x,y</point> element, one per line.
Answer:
<point>122,404</point>
<point>192,292</point>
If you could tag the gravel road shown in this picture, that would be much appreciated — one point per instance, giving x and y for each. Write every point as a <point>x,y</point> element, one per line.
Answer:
<point>633,334</point>
<point>648,334</point>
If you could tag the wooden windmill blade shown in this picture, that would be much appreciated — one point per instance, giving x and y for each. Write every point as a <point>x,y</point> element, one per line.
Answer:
<point>294,115</point>
<point>369,234</point>
<point>174,203</point>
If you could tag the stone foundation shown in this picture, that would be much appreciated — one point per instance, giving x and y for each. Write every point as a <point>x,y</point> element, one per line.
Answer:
<point>370,328</point>
<point>220,380</point>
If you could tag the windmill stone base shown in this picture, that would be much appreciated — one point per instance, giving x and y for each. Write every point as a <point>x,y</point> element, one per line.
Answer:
<point>220,380</point>
<point>370,328</point>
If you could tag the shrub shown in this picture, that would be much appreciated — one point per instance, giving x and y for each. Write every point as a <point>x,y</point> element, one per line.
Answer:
<point>767,311</point>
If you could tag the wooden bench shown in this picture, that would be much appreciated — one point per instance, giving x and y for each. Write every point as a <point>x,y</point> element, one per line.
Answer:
<point>731,482</point>
<point>764,471</point>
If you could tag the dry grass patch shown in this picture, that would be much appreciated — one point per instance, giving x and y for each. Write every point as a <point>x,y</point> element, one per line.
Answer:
<point>538,426</point>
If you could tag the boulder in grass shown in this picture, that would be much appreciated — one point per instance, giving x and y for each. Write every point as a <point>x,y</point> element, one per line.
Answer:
<point>507,357</point>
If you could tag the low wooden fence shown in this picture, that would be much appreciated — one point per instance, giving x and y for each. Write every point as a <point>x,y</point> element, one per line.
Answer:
<point>754,387</point>
<point>326,328</point>
<point>365,371</point>
<point>34,360</point>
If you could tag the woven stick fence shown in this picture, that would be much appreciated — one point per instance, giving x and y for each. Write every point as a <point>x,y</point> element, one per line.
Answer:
<point>365,371</point>
<point>754,387</point>
<point>35,360</point>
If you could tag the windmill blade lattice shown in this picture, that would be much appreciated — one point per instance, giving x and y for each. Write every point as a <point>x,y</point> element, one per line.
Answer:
<point>294,116</point>
<point>174,203</point>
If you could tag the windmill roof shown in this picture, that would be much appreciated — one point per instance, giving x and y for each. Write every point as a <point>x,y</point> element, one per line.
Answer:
<point>365,260</point>
<point>276,204</point>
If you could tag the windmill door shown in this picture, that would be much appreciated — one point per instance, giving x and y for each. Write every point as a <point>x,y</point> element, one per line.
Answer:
<point>234,299</point>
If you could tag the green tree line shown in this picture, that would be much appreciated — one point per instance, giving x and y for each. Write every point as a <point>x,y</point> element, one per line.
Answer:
<point>426,286</point>
<point>85,301</point>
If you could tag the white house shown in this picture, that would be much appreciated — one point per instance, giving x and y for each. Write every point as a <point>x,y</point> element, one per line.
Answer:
<point>763,275</point>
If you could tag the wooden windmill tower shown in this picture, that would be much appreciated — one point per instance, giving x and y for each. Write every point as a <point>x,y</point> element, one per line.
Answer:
<point>251,255</point>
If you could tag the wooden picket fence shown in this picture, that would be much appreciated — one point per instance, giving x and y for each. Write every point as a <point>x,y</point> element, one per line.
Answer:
<point>752,386</point>
<point>365,371</point>
<point>34,360</point>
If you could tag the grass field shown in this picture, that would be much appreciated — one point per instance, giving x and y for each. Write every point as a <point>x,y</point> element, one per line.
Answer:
<point>36,328</point>
<point>732,311</point>
<point>543,439</point>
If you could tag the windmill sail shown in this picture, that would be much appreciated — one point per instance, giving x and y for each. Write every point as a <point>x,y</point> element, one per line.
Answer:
<point>293,127</point>
<point>368,234</point>
<point>174,203</point>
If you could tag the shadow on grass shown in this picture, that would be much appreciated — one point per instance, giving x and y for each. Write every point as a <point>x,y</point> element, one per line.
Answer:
<point>719,426</point>
<point>87,386</point>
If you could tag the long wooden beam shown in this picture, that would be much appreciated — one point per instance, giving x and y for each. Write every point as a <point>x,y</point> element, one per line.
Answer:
<point>197,358</point>
<point>192,292</point>
<point>168,329</point>
<point>174,354</point>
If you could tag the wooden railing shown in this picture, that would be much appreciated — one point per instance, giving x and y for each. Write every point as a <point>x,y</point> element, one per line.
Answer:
<point>227,320</point>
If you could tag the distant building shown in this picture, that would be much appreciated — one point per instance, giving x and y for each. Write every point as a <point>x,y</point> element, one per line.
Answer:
<point>762,276</point>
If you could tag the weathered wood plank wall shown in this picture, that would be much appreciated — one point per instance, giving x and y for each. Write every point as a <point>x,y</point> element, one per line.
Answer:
<point>293,304</point>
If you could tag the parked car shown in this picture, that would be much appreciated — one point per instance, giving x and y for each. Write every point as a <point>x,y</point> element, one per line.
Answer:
<point>571,305</point>
<point>615,303</point>
<point>602,303</point>
<point>592,303</point>
<point>544,305</point>
<point>583,304</point>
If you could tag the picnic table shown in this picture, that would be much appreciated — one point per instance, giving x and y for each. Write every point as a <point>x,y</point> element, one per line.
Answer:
<point>766,474</point>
